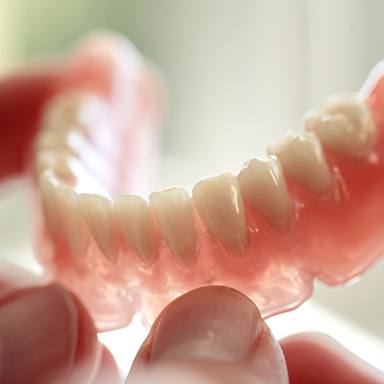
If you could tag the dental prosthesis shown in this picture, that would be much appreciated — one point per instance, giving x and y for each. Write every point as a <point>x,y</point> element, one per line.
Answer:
<point>312,207</point>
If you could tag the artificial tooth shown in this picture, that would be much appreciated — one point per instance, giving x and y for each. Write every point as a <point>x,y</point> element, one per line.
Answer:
<point>56,160</point>
<point>97,212</point>
<point>302,160</point>
<point>47,187</point>
<point>219,203</point>
<point>50,140</point>
<point>72,110</point>
<point>72,222</point>
<point>138,226</point>
<point>263,188</point>
<point>345,124</point>
<point>173,210</point>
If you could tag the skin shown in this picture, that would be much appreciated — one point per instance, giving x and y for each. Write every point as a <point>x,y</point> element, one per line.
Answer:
<point>47,336</point>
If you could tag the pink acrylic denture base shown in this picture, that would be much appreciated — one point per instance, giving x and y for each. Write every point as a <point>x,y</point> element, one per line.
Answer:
<point>333,240</point>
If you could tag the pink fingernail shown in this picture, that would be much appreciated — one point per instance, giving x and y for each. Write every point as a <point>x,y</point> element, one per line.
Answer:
<point>38,335</point>
<point>213,323</point>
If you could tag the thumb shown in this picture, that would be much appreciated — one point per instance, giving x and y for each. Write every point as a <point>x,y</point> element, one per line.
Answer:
<point>210,335</point>
<point>46,336</point>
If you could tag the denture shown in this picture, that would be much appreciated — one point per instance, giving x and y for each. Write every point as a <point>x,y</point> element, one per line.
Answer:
<point>311,208</point>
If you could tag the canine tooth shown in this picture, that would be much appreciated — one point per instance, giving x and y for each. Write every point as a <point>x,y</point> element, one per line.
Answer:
<point>263,188</point>
<point>302,159</point>
<point>97,212</point>
<point>345,124</point>
<point>174,213</point>
<point>47,188</point>
<point>73,225</point>
<point>70,110</point>
<point>138,226</point>
<point>220,205</point>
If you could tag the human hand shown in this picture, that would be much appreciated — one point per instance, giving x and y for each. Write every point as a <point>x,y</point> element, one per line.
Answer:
<point>210,335</point>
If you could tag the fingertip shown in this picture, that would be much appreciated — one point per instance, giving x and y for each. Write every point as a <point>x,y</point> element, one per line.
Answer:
<point>318,358</point>
<point>108,371</point>
<point>218,332</point>
<point>88,349</point>
<point>46,335</point>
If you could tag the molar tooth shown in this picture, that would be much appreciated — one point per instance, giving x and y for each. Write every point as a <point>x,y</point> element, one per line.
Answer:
<point>302,159</point>
<point>138,226</point>
<point>345,124</point>
<point>174,213</point>
<point>220,205</point>
<point>97,212</point>
<point>263,187</point>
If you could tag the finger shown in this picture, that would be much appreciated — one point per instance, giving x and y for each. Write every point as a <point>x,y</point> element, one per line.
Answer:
<point>316,358</point>
<point>210,335</point>
<point>21,98</point>
<point>108,371</point>
<point>46,336</point>
<point>13,277</point>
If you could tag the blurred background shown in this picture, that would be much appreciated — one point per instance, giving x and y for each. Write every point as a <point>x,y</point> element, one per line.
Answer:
<point>237,75</point>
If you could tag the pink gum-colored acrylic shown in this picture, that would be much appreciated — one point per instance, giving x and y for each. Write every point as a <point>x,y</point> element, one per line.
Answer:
<point>333,240</point>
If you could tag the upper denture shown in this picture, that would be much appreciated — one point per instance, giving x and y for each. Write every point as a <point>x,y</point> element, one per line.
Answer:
<point>303,211</point>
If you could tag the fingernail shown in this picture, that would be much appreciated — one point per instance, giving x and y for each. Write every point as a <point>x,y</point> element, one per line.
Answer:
<point>38,335</point>
<point>214,323</point>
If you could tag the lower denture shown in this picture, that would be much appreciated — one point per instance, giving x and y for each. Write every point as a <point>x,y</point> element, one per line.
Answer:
<point>319,219</point>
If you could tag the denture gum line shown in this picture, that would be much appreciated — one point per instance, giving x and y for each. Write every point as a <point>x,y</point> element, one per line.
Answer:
<point>311,207</point>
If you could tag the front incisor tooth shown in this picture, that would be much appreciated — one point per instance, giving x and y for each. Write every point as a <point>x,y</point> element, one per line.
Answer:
<point>263,187</point>
<point>97,212</point>
<point>220,205</point>
<point>73,225</point>
<point>302,160</point>
<point>344,124</point>
<point>138,227</point>
<point>173,210</point>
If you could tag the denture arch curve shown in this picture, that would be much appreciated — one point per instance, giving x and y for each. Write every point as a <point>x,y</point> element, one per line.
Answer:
<point>311,207</point>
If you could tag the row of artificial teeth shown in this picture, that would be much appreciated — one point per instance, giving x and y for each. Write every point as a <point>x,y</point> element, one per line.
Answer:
<point>218,201</point>
<point>63,145</point>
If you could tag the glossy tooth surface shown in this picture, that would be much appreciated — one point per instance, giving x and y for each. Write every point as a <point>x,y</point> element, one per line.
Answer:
<point>47,187</point>
<point>72,223</point>
<point>72,110</point>
<point>220,205</point>
<point>56,160</point>
<point>302,160</point>
<point>97,212</point>
<point>344,124</point>
<point>263,188</point>
<point>138,227</point>
<point>174,213</point>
